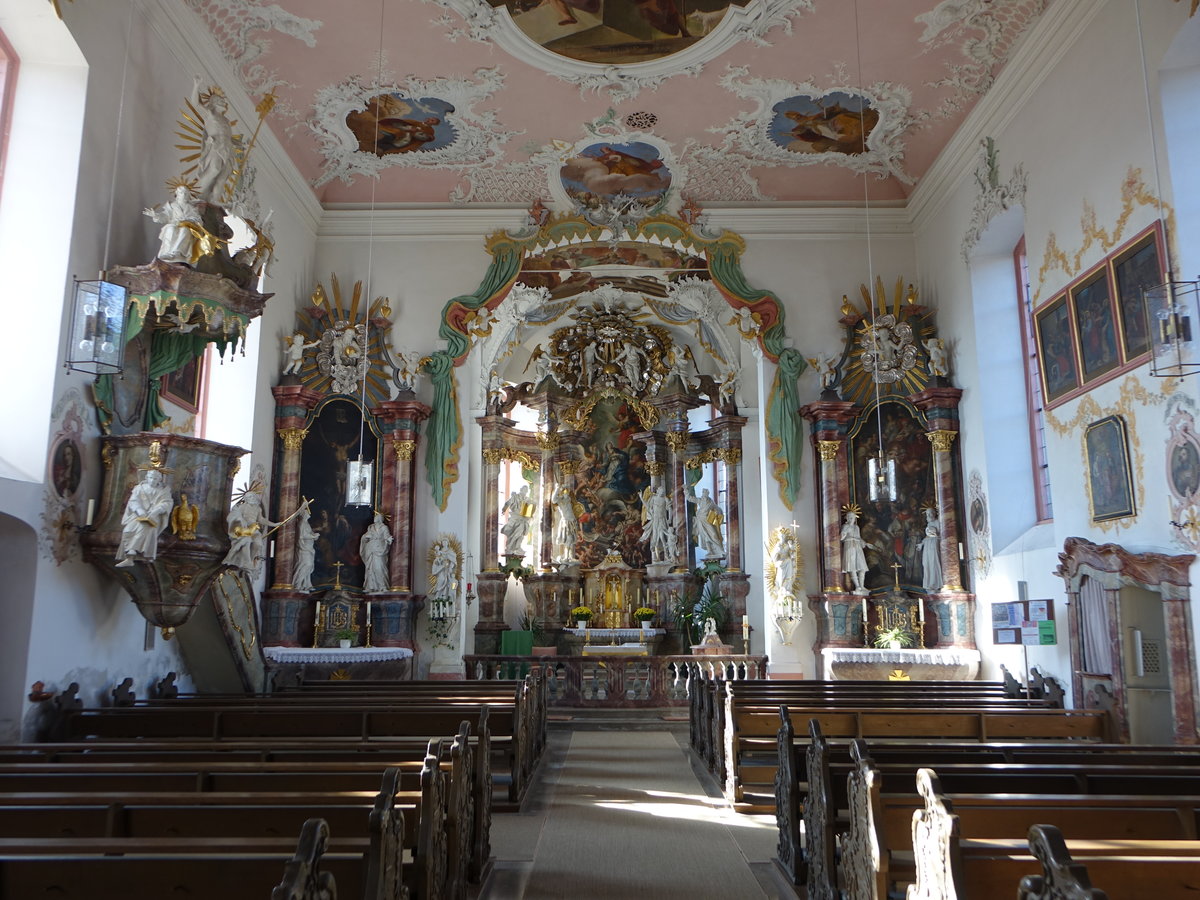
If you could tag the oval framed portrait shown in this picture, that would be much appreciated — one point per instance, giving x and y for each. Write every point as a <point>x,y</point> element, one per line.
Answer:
<point>66,467</point>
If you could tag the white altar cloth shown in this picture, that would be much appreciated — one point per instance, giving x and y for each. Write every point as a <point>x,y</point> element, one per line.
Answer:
<point>863,664</point>
<point>606,635</point>
<point>616,650</point>
<point>335,654</point>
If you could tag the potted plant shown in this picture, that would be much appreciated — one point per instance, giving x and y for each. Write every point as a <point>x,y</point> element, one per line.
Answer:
<point>543,639</point>
<point>692,609</point>
<point>344,636</point>
<point>645,615</point>
<point>581,616</point>
<point>894,638</point>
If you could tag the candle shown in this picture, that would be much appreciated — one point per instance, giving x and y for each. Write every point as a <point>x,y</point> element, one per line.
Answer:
<point>864,605</point>
<point>468,591</point>
<point>317,614</point>
<point>272,548</point>
<point>921,609</point>
<point>91,512</point>
<point>960,551</point>
<point>368,612</point>
<point>745,621</point>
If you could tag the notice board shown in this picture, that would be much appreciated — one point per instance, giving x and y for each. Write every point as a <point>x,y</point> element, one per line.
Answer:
<point>1028,622</point>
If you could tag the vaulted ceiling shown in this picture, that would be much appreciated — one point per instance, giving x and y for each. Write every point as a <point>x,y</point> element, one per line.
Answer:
<point>512,101</point>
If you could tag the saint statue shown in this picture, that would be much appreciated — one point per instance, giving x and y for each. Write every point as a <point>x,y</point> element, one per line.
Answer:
<point>445,563</point>
<point>519,510</point>
<point>657,530</point>
<point>931,555</point>
<point>218,151</point>
<point>145,517</point>
<point>566,524</point>
<point>373,548</point>
<point>707,523</point>
<point>180,221</point>
<point>248,526</point>
<point>306,554</point>
<point>854,560</point>
<point>783,558</point>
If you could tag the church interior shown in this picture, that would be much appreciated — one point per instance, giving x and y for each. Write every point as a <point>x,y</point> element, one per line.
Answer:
<point>875,365</point>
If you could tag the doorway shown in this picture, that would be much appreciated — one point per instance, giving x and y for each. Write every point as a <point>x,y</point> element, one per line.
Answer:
<point>1147,678</point>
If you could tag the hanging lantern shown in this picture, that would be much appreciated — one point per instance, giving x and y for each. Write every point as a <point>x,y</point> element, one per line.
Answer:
<point>360,482</point>
<point>1171,314</point>
<point>96,344</point>
<point>881,472</point>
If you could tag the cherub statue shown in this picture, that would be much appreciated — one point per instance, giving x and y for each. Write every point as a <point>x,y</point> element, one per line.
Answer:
<point>408,369</point>
<point>293,352</point>
<point>825,366</point>
<point>938,362</point>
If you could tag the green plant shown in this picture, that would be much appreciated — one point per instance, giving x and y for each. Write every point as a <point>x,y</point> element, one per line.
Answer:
<point>537,627</point>
<point>885,637</point>
<point>581,612</point>
<point>644,614</point>
<point>344,634</point>
<point>694,607</point>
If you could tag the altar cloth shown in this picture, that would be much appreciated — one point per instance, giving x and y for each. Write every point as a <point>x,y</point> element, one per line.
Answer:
<point>926,664</point>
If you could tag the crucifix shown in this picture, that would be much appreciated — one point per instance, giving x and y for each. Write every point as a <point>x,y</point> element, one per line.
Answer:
<point>337,584</point>
<point>896,574</point>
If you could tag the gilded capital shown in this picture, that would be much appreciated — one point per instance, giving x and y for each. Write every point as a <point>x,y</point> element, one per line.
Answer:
<point>941,440</point>
<point>404,450</point>
<point>677,441</point>
<point>731,456</point>
<point>293,438</point>
<point>655,467</point>
<point>548,441</point>
<point>568,466</point>
<point>493,456</point>
<point>828,450</point>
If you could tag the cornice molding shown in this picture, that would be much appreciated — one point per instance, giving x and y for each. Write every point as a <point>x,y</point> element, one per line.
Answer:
<point>436,222</point>
<point>1050,39</point>
<point>195,49</point>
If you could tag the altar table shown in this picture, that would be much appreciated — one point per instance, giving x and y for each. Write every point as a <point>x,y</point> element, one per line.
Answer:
<point>864,664</point>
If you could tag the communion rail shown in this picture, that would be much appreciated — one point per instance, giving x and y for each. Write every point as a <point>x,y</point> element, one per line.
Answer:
<point>618,681</point>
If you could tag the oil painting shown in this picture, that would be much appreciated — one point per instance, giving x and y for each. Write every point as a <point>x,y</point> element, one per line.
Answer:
<point>393,123</point>
<point>1095,327</point>
<point>66,467</point>
<point>835,123</point>
<point>1056,350</point>
<point>183,386</point>
<point>1135,270</point>
<point>1110,484</point>
<point>892,530</point>
<point>602,171</point>
<point>615,32</point>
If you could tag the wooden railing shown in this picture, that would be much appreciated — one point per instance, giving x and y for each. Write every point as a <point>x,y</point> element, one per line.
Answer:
<point>616,681</point>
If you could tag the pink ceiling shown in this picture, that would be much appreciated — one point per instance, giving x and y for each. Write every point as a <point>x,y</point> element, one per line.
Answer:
<point>836,42</point>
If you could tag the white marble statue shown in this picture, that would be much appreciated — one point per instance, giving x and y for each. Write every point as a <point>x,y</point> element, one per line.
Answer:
<point>566,524</point>
<point>518,509</point>
<point>708,522</point>
<point>931,554</point>
<point>306,553</point>
<point>728,385</point>
<point>146,515</point>
<point>588,364</point>
<point>710,627</point>
<point>658,530</point>
<point>445,565</point>
<point>631,361</point>
<point>176,241</point>
<point>783,559</point>
<point>293,352</point>
<point>218,146</point>
<point>938,362</point>
<point>826,368</point>
<point>854,560</point>
<point>373,548</point>
<point>408,369</point>
<point>248,526</point>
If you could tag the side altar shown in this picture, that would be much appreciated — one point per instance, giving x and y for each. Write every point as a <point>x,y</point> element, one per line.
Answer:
<point>889,481</point>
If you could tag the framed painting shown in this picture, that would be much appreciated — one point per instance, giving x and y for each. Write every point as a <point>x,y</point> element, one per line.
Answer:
<point>182,387</point>
<point>1095,326</point>
<point>1056,349</point>
<point>1134,270</point>
<point>1110,482</point>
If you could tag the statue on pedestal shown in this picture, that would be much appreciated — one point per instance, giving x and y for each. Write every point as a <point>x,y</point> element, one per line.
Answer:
<point>373,548</point>
<point>783,566</point>
<point>145,517</point>
<point>218,146</point>
<point>248,526</point>
<point>854,560</point>
<point>658,530</point>
<point>306,554</point>
<point>519,510</point>
<point>708,522</point>
<point>938,363</point>
<point>443,570</point>
<point>931,554</point>
<point>566,523</point>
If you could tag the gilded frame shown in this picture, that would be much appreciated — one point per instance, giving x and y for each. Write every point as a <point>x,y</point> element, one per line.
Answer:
<point>1135,267</point>
<point>1057,361</point>
<point>1109,473</point>
<point>1095,322</point>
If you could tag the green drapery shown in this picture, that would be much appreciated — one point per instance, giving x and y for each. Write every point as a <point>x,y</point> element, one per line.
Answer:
<point>784,434</point>
<point>444,432</point>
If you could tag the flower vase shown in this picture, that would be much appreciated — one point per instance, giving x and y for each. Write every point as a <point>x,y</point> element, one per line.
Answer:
<point>647,624</point>
<point>344,643</point>
<point>893,645</point>
<point>581,624</point>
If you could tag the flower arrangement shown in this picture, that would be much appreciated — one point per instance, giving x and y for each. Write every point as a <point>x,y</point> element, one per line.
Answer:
<point>344,634</point>
<point>886,637</point>
<point>644,614</point>
<point>581,612</point>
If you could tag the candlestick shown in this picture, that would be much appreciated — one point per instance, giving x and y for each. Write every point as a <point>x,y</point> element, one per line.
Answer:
<point>91,512</point>
<point>921,609</point>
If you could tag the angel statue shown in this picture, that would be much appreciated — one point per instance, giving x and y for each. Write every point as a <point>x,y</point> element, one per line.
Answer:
<point>656,519</point>
<point>293,351</point>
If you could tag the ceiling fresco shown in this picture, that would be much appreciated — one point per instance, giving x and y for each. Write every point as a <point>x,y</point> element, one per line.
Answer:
<point>584,102</point>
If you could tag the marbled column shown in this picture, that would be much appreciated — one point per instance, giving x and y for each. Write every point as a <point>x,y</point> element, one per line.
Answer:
<point>1181,655</point>
<point>677,441</point>
<point>830,420</point>
<point>548,442</point>
<point>399,420</point>
<point>943,470</point>
<point>493,428</point>
<point>727,430</point>
<point>293,404</point>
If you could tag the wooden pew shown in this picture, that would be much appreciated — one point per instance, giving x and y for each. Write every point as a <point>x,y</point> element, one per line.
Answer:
<point>876,848</point>
<point>948,867</point>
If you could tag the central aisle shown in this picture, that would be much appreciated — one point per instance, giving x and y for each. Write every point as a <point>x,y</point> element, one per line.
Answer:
<point>620,814</point>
